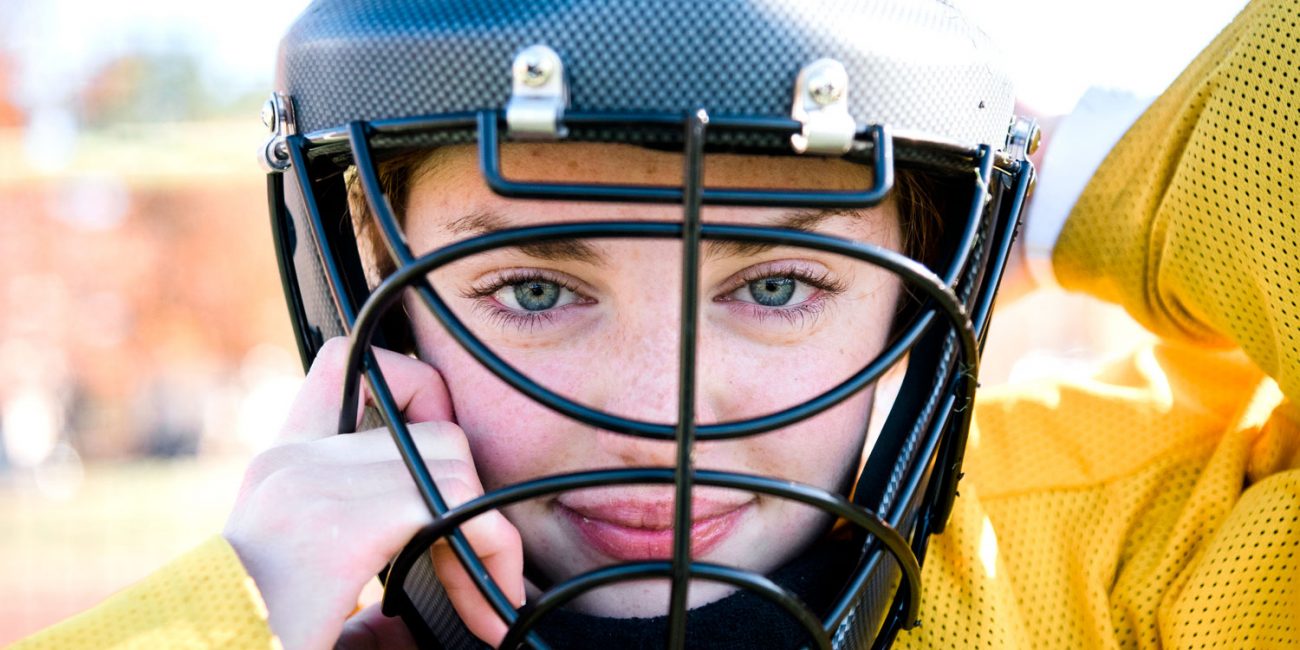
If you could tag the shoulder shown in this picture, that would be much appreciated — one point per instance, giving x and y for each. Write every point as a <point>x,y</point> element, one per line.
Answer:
<point>203,599</point>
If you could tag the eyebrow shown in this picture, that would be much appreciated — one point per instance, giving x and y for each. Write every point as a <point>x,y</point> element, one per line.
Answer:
<point>558,250</point>
<point>802,220</point>
<point>486,221</point>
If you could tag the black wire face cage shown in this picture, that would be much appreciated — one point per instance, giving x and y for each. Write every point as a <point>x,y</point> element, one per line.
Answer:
<point>906,488</point>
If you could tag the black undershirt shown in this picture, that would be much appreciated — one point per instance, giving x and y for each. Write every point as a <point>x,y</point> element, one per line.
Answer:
<point>744,620</point>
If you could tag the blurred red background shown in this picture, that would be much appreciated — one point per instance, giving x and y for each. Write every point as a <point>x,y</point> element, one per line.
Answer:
<point>145,350</point>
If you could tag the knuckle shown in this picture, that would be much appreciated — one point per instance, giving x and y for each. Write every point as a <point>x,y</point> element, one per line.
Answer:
<point>334,350</point>
<point>497,528</point>
<point>508,532</point>
<point>270,461</point>
<point>459,443</point>
<point>440,440</point>
<point>331,359</point>
<point>292,484</point>
<point>457,469</point>
<point>425,374</point>
<point>455,489</point>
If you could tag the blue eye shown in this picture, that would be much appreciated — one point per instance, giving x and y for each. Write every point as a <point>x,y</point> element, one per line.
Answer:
<point>531,294</point>
<point>529,299</point>
<point>537,295</point>
<point>782,288</point>
<point>773,291</point>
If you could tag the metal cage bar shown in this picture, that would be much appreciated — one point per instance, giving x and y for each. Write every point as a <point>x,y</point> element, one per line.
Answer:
<point>826,501</point>
<point>388,292</point>
<point>883,162</point>
<point>693,186</point>
<point>565,592</point>
<point>940,291</point>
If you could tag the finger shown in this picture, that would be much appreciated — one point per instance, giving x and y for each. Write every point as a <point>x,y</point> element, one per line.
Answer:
<point>369,629</point>
<point>368,480</point>
<point>434,440</point>
<point>391,509</point>
<point>392,517</point>
<point>417,389</point>
<point>377,502</point>
<point>312,559</point>
<point>498,544</point>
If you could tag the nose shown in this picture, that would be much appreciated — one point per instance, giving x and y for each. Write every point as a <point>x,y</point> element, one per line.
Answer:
<point>641,381</point>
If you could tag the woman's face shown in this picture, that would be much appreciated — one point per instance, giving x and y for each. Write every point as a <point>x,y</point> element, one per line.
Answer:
<point>597,321</point>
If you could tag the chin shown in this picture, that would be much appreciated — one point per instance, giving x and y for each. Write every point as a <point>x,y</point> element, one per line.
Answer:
<point>645,598</point>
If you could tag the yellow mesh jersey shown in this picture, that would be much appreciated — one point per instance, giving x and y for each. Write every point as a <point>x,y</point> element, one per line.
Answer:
<point>1157,505</point>
<point>202,600</point>
<point>1190,223</point>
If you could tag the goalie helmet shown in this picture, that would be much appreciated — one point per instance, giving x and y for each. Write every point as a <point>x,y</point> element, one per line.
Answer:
<point>898,86</point>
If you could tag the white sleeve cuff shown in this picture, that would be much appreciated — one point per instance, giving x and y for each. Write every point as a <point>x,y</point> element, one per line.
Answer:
<point>1077,147</point>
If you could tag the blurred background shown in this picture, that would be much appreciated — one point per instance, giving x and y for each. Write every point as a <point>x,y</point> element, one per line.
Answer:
<point>145,349</point>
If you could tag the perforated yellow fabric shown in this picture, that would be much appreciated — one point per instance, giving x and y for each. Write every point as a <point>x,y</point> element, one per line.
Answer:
<point>1157,505</point>
<point>1190,223</point>
<point>204,599</point>
<point>1124,513</point>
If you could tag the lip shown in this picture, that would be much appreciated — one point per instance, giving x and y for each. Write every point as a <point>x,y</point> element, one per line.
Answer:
<point>633,530</point>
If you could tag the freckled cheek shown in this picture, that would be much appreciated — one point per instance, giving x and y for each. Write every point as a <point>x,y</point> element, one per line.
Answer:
<point>745,380</point>
<point>818,451</point>
<point>512,437</point>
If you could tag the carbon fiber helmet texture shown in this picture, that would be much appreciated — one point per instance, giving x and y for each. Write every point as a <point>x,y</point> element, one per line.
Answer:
<point>916,66</point>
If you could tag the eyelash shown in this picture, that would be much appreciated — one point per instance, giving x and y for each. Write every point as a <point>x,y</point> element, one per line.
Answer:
<point>799,314</point>
<point>503,316</point>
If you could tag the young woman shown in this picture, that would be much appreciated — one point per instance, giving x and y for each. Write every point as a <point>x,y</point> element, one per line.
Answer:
<point>622,302</point>
<point>646,298</point>
<point>597,320</point>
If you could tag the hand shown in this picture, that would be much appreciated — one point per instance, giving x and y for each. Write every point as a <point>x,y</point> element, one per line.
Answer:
<point>319,514</point>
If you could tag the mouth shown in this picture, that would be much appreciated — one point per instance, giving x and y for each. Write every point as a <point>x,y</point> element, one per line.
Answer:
<point>632,530</point>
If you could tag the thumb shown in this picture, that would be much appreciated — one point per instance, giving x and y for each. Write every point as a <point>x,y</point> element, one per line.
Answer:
<point>369,629</point>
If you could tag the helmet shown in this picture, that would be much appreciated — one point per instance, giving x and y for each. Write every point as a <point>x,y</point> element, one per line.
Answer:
<point>900,87</point>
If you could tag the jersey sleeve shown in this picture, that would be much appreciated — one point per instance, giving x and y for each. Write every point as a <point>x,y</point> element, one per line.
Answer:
<point>1191,223</point>
<point>1158,503</point>
<point>204,599</point>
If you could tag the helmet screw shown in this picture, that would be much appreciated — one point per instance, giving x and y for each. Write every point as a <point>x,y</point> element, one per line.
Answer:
<point>534,66</point>
<point>1035,139</point>
<point>826,87</point>
<point>268,114</point>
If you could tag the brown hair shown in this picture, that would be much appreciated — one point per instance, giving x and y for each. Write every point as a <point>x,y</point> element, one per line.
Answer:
<point>919,215</point>
<point>395,178</point>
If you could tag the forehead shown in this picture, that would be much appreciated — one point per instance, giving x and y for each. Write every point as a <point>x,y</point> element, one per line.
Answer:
<point>447,190</point>
<point>457,166</point>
